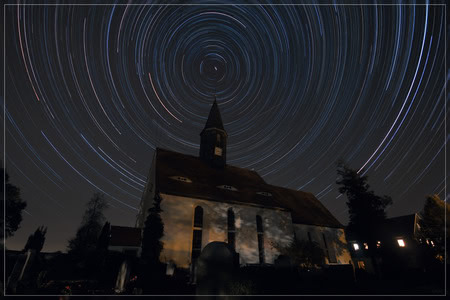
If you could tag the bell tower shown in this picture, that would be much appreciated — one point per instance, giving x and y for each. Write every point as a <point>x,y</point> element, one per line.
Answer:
<point>213,139</point>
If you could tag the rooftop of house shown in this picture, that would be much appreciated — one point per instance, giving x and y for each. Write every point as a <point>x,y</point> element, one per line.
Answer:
<point>125,236</point>
<point>400,226</point>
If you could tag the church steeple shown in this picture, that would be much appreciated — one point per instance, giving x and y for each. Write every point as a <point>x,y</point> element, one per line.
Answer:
<point>213,139</point>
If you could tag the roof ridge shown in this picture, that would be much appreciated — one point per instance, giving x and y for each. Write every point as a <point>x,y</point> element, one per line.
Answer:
<point>226,165</point>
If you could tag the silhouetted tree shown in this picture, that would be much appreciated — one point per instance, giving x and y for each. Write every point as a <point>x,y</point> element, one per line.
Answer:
<point>36,240</point>
<point>432,224</point>
<point>14,206</point>
<point>150,267</point>
<point>103,239</point>
<point>153,232</point>
<point>366,210</point>
<point>86,238</point>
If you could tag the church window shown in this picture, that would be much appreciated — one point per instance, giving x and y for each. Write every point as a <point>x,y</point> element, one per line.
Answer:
<point>181,178</point>
<point>264,194</point>
<point>227,187</point>
<point>260,232</point>
<point>197,233</point>
<point>198,217</point>
<point>329,251</point>
<point>231,229</point>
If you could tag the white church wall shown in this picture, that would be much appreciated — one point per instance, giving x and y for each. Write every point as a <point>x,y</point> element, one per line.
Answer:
<point>335,239</point>
<point>178,214</point>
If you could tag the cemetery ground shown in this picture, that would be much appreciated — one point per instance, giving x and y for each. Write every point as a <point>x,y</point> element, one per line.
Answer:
<point>58,274</point>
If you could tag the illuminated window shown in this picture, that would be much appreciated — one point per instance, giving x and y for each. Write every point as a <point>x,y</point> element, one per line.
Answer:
<point>432,243</point>
<point>366,246</point>
<point>356,246</point>
<point>260,232</point>
<point>378,244</point>
<point>401,242</point>
<point>218,151</point>
<point>361,264</point>
<point>231,229</point>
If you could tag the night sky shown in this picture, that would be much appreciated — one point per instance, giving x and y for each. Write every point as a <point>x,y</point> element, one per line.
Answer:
<point>90,91</point>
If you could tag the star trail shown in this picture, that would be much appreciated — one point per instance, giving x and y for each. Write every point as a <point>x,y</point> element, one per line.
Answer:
<point>91,90</point>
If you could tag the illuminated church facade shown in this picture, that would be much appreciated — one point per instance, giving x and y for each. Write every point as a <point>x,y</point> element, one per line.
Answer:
<point>204,199</point>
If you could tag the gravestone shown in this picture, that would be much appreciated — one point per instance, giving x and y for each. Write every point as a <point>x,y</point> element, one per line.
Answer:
<point>215,268</point>
<point>21,267</point>
<point>122,277</point>
<point>283,262</point>
<point>170,268</point>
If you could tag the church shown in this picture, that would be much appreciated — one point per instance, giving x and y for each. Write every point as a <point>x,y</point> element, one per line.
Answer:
<point>204,199</point>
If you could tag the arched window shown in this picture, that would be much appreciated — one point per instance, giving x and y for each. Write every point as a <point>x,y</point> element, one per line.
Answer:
<point>231,229</point>
<point>197,233</point>
<point>260,232</point>
<point>198,217</point>
<point>329,251</point>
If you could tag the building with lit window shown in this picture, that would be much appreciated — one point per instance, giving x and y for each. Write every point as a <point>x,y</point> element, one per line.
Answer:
<point>397,244</point>
<point>204,199</point>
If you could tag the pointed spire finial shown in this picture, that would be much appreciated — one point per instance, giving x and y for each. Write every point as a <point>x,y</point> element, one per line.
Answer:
<point>214,118</point>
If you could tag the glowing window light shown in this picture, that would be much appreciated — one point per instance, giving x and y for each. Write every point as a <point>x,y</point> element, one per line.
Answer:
<point>366,246</point>
<point>401,242</point>
<point>378,244</point>
<point>356,246</point>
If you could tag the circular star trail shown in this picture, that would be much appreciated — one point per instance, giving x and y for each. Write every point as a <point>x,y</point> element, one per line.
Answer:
<point>92,90</point>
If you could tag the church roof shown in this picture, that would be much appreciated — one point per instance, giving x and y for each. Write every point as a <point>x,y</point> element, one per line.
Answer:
<point>304,207</point>
<point>214,118</point>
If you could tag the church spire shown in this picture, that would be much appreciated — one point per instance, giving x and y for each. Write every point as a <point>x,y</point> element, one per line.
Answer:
<point>213,139</point>
<point>214,118</point>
